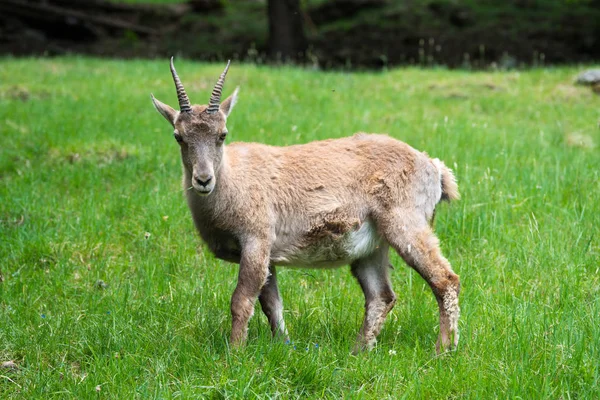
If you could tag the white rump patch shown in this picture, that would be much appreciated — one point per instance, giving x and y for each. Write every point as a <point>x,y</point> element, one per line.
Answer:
<point>439,165</point>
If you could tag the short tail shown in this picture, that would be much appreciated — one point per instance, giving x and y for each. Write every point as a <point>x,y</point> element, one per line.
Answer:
<point>448,182</point>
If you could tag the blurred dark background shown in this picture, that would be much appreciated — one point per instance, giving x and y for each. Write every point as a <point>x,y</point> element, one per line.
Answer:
<point>352,34</point>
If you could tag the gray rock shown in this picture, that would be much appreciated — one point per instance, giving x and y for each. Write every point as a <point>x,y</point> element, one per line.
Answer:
<point>589,77</point>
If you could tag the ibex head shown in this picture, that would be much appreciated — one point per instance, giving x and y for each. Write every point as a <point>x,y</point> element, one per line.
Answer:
<point>200,131</point>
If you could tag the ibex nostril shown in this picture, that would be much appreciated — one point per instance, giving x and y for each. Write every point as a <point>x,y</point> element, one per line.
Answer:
<point>203,180</point>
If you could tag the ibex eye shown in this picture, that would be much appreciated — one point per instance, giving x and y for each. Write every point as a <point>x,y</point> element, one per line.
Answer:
<point>177,137</point>
<point>223,135</point>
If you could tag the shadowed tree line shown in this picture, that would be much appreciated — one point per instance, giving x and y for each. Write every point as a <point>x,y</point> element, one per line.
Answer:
<point>328,33</point>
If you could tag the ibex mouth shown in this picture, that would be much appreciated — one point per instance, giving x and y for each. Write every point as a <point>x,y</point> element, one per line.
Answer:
<point>203,191</point>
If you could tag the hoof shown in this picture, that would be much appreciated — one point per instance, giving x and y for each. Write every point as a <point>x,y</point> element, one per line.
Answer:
<point>447,343</point>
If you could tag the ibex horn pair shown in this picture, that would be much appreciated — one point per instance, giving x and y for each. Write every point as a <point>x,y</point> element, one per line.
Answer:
<point>215,97</point>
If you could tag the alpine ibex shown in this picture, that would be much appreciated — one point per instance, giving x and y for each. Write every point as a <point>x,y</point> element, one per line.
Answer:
<point>322,204</point>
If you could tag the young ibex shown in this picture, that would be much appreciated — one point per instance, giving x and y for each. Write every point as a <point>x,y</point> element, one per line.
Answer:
<point>321,204</point>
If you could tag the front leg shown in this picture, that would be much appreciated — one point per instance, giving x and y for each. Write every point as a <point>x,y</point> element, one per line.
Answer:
<point>254,269</point>
<point>270,301</point>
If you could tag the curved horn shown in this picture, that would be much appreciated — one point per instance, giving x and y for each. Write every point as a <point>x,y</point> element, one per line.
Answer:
<point>215,97</point>
<point>184,102</point>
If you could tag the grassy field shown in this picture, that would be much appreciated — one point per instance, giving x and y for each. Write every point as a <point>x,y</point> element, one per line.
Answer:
<point>106,291</point>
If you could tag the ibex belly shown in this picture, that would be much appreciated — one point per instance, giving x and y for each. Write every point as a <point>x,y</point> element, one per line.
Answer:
<point>329,247</point>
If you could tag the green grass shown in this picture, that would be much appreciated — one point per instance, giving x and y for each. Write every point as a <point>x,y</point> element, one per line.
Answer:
<point>90,190</point>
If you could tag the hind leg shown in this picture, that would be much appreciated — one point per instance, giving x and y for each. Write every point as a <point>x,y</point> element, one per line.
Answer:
<point>272,306</point>
<point>416,243</point>
<point>372,273</point>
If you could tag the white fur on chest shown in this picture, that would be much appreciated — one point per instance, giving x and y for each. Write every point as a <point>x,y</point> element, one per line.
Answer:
<point>350,247</point>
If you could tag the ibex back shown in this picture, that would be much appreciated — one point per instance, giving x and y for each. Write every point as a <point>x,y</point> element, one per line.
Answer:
<point>321,204</point>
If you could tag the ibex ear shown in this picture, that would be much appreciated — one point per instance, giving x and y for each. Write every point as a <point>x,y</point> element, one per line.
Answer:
<point>227,105</point>
<point>166,111</point>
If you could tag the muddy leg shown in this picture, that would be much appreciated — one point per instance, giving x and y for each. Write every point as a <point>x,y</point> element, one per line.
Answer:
<point>372,274</point>
<point>419,247</point>
<point>272,306</point>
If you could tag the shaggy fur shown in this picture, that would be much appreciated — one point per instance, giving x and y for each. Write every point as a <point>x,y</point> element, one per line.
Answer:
<point>322,204</point>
